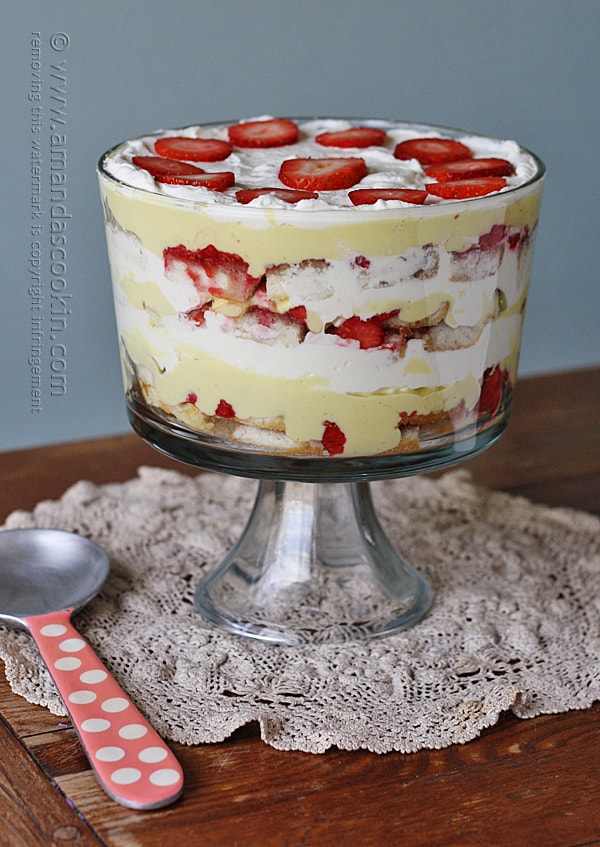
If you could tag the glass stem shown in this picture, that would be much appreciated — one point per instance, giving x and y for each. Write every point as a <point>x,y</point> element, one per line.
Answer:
<point>313,553</point>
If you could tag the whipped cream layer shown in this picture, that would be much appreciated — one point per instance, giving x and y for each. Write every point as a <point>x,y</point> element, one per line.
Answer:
<point>255,168</point>
<point>444,284</point>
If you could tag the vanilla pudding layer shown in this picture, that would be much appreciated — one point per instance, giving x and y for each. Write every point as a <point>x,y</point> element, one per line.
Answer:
<point>264,362</point>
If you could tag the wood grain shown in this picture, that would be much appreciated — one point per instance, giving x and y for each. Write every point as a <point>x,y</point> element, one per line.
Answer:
<point>533,783</point>
<point>34,811</point>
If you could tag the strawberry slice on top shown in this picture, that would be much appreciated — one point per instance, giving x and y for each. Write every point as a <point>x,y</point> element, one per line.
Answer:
<point>159,167</point>
<point>430,151</point>
<point>289,195</point>
<point>322,174</point>
<point>357,136</point>
<point>368,196</point>
<point>273,132</point>
<point>463,189</point>
<point>216,181</point>
<point>470,169</point>
<point>193,149</point>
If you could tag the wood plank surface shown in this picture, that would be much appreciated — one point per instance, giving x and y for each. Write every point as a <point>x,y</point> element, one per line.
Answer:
<point>534,783</point>
<point>34,810</point>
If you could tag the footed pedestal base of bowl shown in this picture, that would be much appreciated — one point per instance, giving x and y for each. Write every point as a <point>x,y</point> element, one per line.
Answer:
<point>313,565</point>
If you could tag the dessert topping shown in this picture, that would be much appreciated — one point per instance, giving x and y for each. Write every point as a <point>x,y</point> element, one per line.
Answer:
<point>289,195</point>
<point>193,149</point>
<point>275,132</point>
<point>175,172</point>
<point>470,169</point>
<point>463,189</point>
<point>220,181</point>
<point>358,136</point>
<point>430,151</point>
<point>368,196</point>
<point>158,166</point>
<point>322,174</point>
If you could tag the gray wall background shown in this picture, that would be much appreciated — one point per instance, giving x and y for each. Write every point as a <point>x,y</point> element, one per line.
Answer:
<point>525,69</point>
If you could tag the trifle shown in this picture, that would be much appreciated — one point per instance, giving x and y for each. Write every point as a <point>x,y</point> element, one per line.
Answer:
<point>321,288</point>
<point>318,303</point>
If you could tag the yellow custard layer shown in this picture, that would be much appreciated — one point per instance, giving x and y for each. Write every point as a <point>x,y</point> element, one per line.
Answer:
<point>266,237</point>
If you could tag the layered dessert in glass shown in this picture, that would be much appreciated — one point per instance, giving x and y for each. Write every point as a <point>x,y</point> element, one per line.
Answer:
<point>324,288</point>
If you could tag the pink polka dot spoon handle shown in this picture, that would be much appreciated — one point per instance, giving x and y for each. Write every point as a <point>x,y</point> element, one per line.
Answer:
<point>45,576</point>
<point>131,761</point>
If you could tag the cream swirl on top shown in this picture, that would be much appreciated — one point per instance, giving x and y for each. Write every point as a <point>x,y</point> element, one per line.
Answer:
<point>257,167</point>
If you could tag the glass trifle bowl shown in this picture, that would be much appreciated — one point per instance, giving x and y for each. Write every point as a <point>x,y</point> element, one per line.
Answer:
<point>319,304</point>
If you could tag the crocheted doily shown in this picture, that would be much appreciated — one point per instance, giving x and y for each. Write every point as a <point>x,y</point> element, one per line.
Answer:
<point>515,623</point>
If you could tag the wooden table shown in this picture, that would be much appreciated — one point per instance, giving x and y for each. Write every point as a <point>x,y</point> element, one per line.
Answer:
<point>533,782</point>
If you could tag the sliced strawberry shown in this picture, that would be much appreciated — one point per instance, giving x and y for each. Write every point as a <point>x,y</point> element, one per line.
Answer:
<point>368,196</point>
<point>212,271</point>
<point>275,132</point>
<point>368,333</point>
<point>357,136</point>
<point>429,151</point>
<point>322,174</point>
<point>333,439</point>
<point>160,167</point>
<point>224,410</point>
<point>197,315</point>
<point>289,195</point>
<point>263,317</point>
<point>193,149</point>
<point>470,169</point>
<point>297,312</point>
<point>518,237</point>
<point>492,239</point>
<point>491,391</point>
<point>465,188</point>
<point>219,181</point>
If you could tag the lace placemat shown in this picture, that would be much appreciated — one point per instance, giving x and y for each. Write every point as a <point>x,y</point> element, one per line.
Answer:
<point>515,623</point>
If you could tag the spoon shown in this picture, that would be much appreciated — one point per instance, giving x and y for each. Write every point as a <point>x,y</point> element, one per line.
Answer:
<point>45,576</point>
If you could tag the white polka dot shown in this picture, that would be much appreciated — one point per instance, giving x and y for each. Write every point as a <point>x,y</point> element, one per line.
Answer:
<point>93,677</point>
<point>69,663</point>
<point>53,629</point>
<point>82,697</point>
<point>72,645</point>
<point>115,704</point>
<point>110,754</point>
<point>125,776</point>
<point>152,755</point>
<point>95,725</point>
<point>133,730</point>
<point>165,776</point>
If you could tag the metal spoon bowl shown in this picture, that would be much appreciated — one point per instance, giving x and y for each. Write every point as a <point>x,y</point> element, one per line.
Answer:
<point>47,570</point>
<point>45,576</point>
